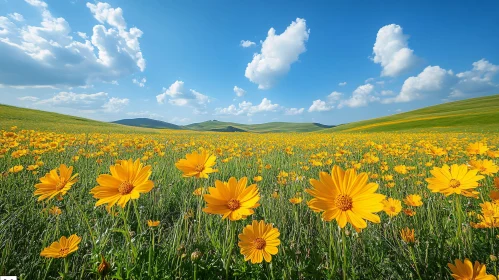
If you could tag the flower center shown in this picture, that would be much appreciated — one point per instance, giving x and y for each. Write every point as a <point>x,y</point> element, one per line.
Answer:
<point>63,252</point>
<point>392,209</point>
<point>61,184</point>
<point>125,188</point>
<point>454,183</point>
<point>199,168</point>
<point>233,204</point>
<point>260,243</point>
<point>343,202</point>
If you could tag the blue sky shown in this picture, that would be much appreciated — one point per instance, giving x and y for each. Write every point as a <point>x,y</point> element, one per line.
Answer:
<point>245,61</point>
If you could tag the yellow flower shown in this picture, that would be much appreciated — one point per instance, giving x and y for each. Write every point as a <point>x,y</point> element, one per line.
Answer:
<point>16,169</point>
<point>484,167</point>
<point>409,212</point>
<point>392,207</point>
<point>197,165</point>
<point>346,197</point>
<point>468,271</point>
<point>62,248</point>
<point>455,179</point>
<point>257,178</point>
<point>32,167</point>
<point>55,184</point>
<point>259,241</point>
<point>413,200</point>
<point>275,195</point>
<point>152,223</point>
<point>127,181</point>
<point>407,235</point>
<point>198,191</point>
<point>477,148</point>
<point>401,169</point>
<point>296,200</point>
<point>232,199</point>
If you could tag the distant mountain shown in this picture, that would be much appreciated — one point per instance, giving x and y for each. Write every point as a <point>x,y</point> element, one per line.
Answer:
<point>215,125</point>
<point>145,122</point>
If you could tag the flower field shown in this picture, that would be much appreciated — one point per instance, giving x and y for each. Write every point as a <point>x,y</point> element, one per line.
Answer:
<point>202,205</point>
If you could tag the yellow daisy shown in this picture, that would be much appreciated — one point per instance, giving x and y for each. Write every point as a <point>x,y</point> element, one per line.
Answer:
<point>259,242</point>
<point>62,248</point>
<point>127,181</point>
<point>454,179</point>
<point>346,197</point>
<point>197,165</point>
<point>468,271</point>
<point>54,183</point>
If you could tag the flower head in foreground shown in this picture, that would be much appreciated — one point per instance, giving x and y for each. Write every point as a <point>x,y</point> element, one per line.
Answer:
<point>16,169</point>
<point>346,197</point>
<point>197,165</point>
<point>127,181</point>
<point>259,241</point>
<point>413,200</point>
<point>152,223</point>
<point>484,167</point>
<point>232,199</point>
<point>392,207</point>
<point>467,271</point>
<point>62,248</point>
<point>454,179</point>
<point>55,183</point>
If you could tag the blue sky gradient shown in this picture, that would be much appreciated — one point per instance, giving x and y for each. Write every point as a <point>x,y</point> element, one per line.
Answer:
<point>437,51</point>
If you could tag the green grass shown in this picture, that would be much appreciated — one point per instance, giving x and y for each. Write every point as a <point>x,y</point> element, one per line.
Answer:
<point>48,121</point>
<point>476,114</point>
<point>258,128</point>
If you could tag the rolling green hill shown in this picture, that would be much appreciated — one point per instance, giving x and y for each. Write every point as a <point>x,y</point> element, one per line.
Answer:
<point>215,125</point>
<point>475,114</point>
<point>47,121</point>
<point>150,123</point>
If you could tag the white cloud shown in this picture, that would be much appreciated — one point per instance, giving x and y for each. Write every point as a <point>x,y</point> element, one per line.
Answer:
<point>88,102</point>
<point>178,96</point>
<point>360,97</point>
<point>480,79</point>
<point>319,106</point>
<point>387,92</point>
<point>140,83</point>
<point>277,54</point>
<point>392,52</point>
<point>334,97</point>
<point>48,55</point>
<point>294,111</point>
<point>248,108</point>
<point>28,98</point>
<point>239,91</point>
<point>342,84</point>
<point>115,104</point>
<point>247,43</point>
<point>16,17</point>
<point>432,80</point>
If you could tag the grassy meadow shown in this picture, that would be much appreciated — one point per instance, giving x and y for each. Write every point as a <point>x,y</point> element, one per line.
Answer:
<point>190,243</point>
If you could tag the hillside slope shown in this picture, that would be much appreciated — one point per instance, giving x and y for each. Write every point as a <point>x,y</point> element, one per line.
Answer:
<point>47,121</point>
<point>475,114</point>
<point>146,122</point>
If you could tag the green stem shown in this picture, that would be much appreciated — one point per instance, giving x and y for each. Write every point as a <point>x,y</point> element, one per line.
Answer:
<point>343,241</point>
<point>231,245</point>
<point>137,215</point>
<point>413,257</point>
<point>66,267</point>
<point>84,218</point>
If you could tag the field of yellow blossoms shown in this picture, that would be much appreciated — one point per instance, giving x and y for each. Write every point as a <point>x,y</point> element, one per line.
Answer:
<point>177,205</point>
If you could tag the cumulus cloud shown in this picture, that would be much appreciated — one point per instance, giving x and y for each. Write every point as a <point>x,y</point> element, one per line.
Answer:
<point>46,54</point>
<point>139,82</point>
<point>320,106</point>
<point>277,54</point>
<point>16,17</point>
<point>391,50</point>
<point>432,80</point>
<point>342,84</point>
<point>361,96</point>
<point>248,108</point>
<point>85,101</point>
<point>178,96</point>
<point>239,91</point>
<point>480,79</point>
<point>294,111</point>
<point>247,43</point>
